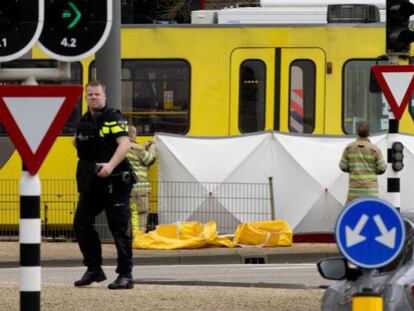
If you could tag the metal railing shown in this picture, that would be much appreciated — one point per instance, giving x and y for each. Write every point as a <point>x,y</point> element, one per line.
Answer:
<point>228,204</point>
<point>57,206</point>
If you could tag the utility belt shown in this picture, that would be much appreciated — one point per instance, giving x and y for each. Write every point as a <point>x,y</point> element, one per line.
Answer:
<point>123,176</point>
<point>86,173</point>
<point>127,177</point>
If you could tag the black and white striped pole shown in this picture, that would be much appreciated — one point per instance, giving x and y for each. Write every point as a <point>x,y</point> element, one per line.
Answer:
<point>30,232</point>
<point>395,163</point>
<point>29,239</point>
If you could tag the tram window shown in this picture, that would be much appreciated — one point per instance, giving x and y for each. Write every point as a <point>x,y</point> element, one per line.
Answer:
<point>75,78</point>
<point>358,103</point>
<point>156,95</point>
<point>252,96</point>
<point>302,96</point>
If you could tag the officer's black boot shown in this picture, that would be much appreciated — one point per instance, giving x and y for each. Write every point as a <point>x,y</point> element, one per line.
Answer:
<point>123,281</point>
<point>90,276</point>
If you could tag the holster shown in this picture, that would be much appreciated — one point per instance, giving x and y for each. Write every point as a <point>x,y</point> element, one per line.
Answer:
<point>85,173</point>
<point>127,177</point>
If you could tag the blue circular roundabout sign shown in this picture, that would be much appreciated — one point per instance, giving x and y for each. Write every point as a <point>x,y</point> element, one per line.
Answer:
<point>370,232</point>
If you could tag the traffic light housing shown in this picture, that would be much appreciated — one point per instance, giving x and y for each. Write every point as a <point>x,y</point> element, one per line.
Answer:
<point>21,23</point>
<point>398,34</point>
<point>75,29</point>
<point>397,156</point>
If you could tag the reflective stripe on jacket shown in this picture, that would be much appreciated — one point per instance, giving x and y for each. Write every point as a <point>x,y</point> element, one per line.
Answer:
<point>141,159</point>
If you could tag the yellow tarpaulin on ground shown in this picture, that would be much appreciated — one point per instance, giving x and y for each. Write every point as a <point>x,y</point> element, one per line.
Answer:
<point>264,234</point>
<point>190,235</point>
<point>182,235</point>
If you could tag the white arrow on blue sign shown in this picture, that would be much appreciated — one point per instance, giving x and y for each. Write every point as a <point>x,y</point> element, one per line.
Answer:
<point>370,232</point>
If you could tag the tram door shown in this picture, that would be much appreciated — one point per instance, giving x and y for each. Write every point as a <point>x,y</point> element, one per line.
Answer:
<point>279,89</point>
<point>252,78</point>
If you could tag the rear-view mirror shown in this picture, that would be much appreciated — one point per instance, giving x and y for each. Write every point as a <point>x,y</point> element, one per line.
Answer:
<point>333,268</point>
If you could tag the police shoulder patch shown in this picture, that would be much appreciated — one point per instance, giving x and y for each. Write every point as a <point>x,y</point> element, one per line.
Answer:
<point>123,124</point>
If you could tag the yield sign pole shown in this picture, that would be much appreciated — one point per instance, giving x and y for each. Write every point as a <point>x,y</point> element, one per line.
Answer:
<point>33,116</point>
<point>30,237</point>
<point>397,85</point>
<point>29,240</point>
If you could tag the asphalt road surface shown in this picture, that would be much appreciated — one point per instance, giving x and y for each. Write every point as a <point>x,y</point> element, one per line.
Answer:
<point>290,287</point>
<point>259,275</point>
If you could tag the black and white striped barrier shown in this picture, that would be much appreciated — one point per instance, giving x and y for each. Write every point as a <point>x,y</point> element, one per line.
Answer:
<point>395,165</point>
<point>29,239</point>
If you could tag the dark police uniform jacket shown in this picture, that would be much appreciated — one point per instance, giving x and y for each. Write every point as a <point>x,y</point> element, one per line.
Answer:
<point>96,136</point>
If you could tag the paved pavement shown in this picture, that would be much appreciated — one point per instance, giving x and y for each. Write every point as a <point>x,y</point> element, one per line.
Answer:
<point>68,254</point>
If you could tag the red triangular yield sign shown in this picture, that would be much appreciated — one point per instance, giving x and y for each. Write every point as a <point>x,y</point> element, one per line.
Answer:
<point>34,115</point>
<point>397,84</point>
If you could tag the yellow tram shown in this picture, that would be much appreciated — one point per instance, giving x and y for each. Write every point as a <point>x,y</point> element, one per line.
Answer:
<point>218,80</point>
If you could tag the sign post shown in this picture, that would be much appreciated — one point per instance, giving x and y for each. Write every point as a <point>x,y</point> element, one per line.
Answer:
<point>29,239</point>
<point>397,85</point>
<point>369,233</point>
<point>33,116</point>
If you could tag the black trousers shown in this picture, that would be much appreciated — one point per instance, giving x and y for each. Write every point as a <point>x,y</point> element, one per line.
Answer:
<point>111,195</point>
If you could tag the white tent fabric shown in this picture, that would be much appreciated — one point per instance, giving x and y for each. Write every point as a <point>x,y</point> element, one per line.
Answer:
<point>308,187</point>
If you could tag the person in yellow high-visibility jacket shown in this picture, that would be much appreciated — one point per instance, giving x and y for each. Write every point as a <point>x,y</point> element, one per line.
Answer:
<point>141,158</point>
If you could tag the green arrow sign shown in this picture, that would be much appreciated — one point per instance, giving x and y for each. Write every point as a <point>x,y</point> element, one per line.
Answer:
<point>67,14</point>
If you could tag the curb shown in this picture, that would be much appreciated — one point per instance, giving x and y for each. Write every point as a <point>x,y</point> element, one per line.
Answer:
<point>217,259</point>
<point>225,284</point>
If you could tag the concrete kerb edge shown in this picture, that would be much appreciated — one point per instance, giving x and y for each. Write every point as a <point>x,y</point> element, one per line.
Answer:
<point>224,284</point>
<point>191,260</point>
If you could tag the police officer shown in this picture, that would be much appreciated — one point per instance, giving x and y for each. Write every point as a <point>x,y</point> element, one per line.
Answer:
<point>363,161</point>
<point>102,144</point>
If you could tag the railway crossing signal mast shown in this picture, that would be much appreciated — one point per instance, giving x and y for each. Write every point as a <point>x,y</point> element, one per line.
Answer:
<point>73,30</point>
<point>398,39</point>
<point>397,85</point>
<point>21,23</point>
